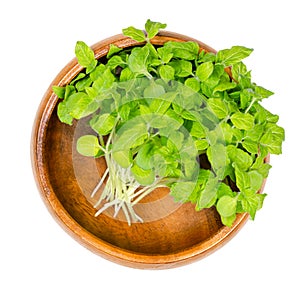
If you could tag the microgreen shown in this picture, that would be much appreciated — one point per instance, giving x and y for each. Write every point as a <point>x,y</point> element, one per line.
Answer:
<point>171,116</point>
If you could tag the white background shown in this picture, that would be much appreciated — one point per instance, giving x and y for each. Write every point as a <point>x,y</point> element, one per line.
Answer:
<point>38,260</point>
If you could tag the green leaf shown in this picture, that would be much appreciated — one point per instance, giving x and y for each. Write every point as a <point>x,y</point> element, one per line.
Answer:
<point>277,131</point>
<point>165,54</point>
<point>158,106</point>
<point>224,190</point>
<point>123,158</point>
<point>256,180</point>
<point>82,84</point>
<point>138,61</point>
<point>204,70</point>
<point>70,90</point>
<point>182,190</point>
<point>144,156</point>
<point>103,123</point>
<point>116,61</point>
<point>182,68</point>
<point>250,145</point>
<point>144,177</point>
<point>216,136</point>
<point>259,161</point>
<point>193,84</point>
<point>218,107</point>
<point>271,117</point>
<point>271,143</point>
<point>160,164</point>
<point>201,144</point>
<point>78,105</point>
<point>104,81</point>
<point>154,90</point>
<point>189,166</point>
<point>228,221</point>
<point>197,130</point>
<point>242,120</point>
<point>59,91</point>
<point>124,112</point>
<point>206,56</point>
<point>209,194</point>
<point>184,50</point>
<point>223,86</point>
<point>166,72</point>
<point>126,75</point>
<point>227,132</point>
<point>175,121</point>
<point>157,121</point>
<point>145,111</point>
<point>63,113</point>
<point>113,49</point>
<point>249,183</point>
<point>262,93</point>
<point>263,169</point>
<point>91,92</point>
<point>189,149</point>
<point>267,139</point>
<point>242,179</point>
<point>134,33</point>
<point>129,135</point>
<point>260,199</point>
<point>78,77</point>
<point>153,55</point>
<point>241,158</point>
<point>226,206</point>
<point>234,55</point>
<point>97,72</point>
<point>246,97</point>
<point>140,140</point>
<point>152,28</point>
<point>174,143</point>
<point>216,77</point>
<point>217,156</point>
<point>85,56</point>
<point>250,203</point>
<point>255,133</point>
<point>238,70</point>
<point>88,145</point>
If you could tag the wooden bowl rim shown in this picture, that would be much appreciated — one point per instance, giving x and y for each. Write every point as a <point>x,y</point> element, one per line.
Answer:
<point>87,239</point>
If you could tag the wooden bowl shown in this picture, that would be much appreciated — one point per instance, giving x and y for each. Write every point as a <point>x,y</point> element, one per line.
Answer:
<point>172,235</point>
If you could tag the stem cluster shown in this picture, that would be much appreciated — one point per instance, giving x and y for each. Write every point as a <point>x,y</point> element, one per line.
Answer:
<point>122,191</point>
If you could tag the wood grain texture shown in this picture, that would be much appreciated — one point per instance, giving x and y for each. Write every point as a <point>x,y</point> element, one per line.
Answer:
<point>64,178</point>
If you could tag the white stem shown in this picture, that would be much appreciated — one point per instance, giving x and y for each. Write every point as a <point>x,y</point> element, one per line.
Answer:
<point>140,191</point>
<point>148,191</point>
<point>126,214</point>
<point>106,206</point>
<point>117,208</point>
<point>120,188</point>
<point>134,216</point>
<point>250,105</point>
<point>100,183</point>
<point>103,196</point>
